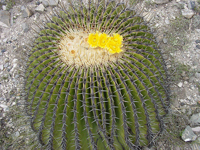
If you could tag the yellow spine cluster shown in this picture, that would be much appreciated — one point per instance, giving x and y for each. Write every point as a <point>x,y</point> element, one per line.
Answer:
<point>112,43</point>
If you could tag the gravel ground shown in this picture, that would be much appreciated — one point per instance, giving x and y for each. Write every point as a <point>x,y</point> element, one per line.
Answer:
<point>176,26</point>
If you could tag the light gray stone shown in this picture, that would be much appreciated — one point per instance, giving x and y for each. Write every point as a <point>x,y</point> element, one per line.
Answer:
<point>25,27</point>
<point>187,13</point>
<point>161,1</point>
<point>165,40</point>
<point>2,1</point>
<point>40,8</point>
<point>180,84</point>
<point>17,134</point>
<point>1,67</point>
<point>196,129</point>
<point>195,119</point>
<point>6,65</point>
<point>188,135</point>
<point>22,8</point>
<point>5,17</point>
<point>191,5</point>
<point>4,7</point>
<point>45,3</point>
<point>5,108</point>
<point>53,2</point>
<point>27,13</point>
<point>197,75</point>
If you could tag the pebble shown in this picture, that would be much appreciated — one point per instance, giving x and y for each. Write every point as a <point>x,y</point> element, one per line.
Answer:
<point>6,65</point>
<point>1,67</point>
<point>180,84</point>
<point>198,46</point>
<point>53,2</point>
<point>195,119</point>
<point>197,75</point>
<point>5,108</point>
<point>22,8</point>
<point>165,40</point>
<point>3,50</point>
<point>188,135</point>
<point>191,5</point>
<point>5,17</point>
<point>4,7</point>
<point>196,129</point>
<point>187,13</point>
<point>161,1</point>
<point>40,8</point>
<point>17,134</point>
<point>27,13</point>
<point>197,41</point>
<point>167,21</point>
<point>37,3</point>
<point>25,27</point>
<point>45,3</point>
<point>3,1</point>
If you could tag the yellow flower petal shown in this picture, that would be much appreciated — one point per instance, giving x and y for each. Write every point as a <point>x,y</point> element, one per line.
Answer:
<point>112,46</point>
<point>93,39</point>
<point>118,39</point>
<point>103,39</point>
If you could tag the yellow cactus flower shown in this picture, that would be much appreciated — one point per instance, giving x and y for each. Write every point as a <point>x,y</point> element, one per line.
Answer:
<point>113,46</point>
<point>103,39</point>
<point>118,39</point>
<point>93,39</point>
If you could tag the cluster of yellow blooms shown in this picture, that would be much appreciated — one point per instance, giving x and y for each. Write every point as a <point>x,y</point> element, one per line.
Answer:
<point>112,43</point>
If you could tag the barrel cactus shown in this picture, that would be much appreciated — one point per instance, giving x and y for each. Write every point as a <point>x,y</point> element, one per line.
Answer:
<point>96,79</point>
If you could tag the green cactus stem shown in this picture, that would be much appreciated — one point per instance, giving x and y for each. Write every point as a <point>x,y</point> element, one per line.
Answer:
<point>79,97</point>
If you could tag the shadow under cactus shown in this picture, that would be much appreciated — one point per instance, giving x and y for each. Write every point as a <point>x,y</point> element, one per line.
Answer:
<point>111,105</point>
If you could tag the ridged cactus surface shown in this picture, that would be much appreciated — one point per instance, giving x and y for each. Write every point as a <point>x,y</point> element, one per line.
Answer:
<point>117,102</point>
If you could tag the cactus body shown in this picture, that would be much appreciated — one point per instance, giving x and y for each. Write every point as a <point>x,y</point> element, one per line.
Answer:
<point>113,104</point>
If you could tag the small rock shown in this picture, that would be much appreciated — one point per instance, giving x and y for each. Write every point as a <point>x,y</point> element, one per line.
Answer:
<point>2,1</point>
<point>198,46</point>
<point>195,62</point>
<point>197,75</point>
<point>196,129</point>
<point>4,7</point>
<point>191,5</point>
<point>187,13</point>
<point>197,41</point>
<point>5,17</point>
<point>5,108</point>
<point>198,69</point>
<point>5,40</point>
<point>180,84</point>
<point>167,21</point>
<point>17,134</point>
<point>161,1</point>
<point>40,8</point>
<point>53,2</point>
<point>37,3</point>
<point>27,13</point>
<point>165,40</point>
<point>195,119</point>
<point>25,27</point>
<point>188,135</point>
<point>3,50</point>
<point>22,8</point>
<point>1,67</point>
<point>6,65</point>
<point>45,3</point>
